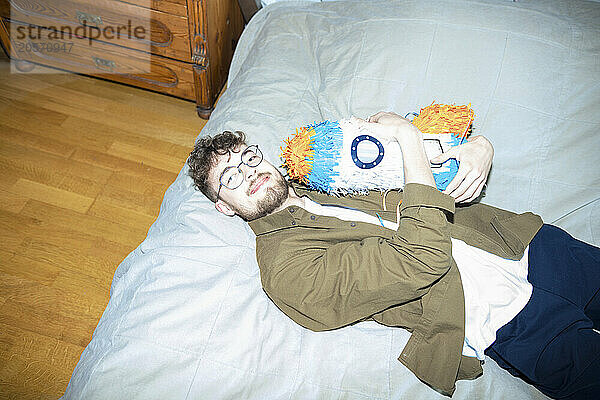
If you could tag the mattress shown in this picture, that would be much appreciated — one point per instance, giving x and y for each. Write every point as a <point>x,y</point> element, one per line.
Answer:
<point>187,317</point>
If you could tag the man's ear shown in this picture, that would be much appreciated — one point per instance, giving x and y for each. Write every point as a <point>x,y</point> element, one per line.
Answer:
<point>224,208</point>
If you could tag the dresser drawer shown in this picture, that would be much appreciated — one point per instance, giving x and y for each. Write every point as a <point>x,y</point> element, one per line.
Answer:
<point>168,34</point>
<point>175,7</point>
<point>106,61</point>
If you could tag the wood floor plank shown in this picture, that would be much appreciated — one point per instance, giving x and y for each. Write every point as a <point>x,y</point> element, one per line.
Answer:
<point>12,229</point>
<point>130,200</point>
<point>5,256</point>
<point>9,94</point>
<point>27,160</point>
<point>28,139</point>
<point>39,366</point>
<point>82,135</point>
<point>48,321</point>
<point>142,185</point>
<point>163,147</point>
<point>162,126</point>
<point>187,125</point>
<point>49,300</point>
<point>65,100</point>
<point>88,289</point>
<point>117,164</point>
<point>175,132</point>
<point>107,91</point>
<point>71,99</point>
<point>56,77</point>
<point>86,258</point>
<point>107,209</point>
<point>84,164</point>
<point>52,171</point>
<point>146,156</point>
<point>30,269</point>
<point>149,102</point>
<point>7,178</point>
<point>85,223</point>
<point>24,82</point>
<point>148,107</point>
<point>20,108</point>
<point>110,254</point>
<point>52,195</point>
<point>13,170</point>
<point>177,109</point>
<point>82,186</point>
<point>92,256</point>
<point>95,131</point>
<point>12,202</point>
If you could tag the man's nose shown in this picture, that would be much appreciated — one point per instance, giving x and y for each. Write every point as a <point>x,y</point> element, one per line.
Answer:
<point>248,171</point>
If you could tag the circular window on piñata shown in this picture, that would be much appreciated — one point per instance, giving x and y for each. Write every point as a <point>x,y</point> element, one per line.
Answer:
<point>354,149</point>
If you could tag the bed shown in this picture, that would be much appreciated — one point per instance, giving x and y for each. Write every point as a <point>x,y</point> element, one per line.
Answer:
<point>187,318</point>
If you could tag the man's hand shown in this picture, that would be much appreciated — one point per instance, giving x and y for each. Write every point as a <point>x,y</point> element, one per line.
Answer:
<point>475,158</point>
<point>390,127</point>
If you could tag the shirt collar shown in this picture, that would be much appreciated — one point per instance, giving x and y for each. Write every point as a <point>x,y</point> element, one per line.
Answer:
<point>293,215</point>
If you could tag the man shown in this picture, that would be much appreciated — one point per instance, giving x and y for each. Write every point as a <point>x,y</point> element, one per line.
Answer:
<point>466,281</point>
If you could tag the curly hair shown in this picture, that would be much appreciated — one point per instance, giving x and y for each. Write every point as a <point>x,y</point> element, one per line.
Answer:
<point>204,157</point>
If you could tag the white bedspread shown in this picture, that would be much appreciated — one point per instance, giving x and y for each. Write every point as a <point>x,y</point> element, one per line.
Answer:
<point>187,318</point>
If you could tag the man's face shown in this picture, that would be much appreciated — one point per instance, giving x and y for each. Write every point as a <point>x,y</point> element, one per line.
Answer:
<point>262,191</point>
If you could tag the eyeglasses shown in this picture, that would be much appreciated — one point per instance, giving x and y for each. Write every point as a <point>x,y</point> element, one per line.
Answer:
<point>232,177</point>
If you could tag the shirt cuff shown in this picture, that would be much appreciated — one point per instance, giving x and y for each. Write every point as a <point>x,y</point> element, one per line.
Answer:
<point>416,194</point>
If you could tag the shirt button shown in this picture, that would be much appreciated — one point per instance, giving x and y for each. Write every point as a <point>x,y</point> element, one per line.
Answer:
<point>312,217</point>
<point>292,209</point>
<point>293,222</point>
<point>353,224</point>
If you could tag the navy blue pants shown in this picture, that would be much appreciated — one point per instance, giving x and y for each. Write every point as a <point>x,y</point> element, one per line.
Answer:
<point>551,342</point>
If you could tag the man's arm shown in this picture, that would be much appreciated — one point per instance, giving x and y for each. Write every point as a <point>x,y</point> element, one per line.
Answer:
<point>324,280</point>
<point>393,128</point>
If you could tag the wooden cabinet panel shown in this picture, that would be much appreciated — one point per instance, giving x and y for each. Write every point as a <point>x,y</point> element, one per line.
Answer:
<point>221,39</point>
<point>186,52</point>
<point>108,21</point>
<point>110,62</point>
<point>175,7</point>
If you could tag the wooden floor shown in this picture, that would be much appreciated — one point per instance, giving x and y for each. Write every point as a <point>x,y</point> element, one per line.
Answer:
<point>84,164</point>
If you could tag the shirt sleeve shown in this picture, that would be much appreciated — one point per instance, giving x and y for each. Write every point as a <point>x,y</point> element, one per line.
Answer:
<point>329,284</point>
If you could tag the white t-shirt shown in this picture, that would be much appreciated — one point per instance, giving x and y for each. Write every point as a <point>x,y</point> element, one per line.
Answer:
<point>496,289</point>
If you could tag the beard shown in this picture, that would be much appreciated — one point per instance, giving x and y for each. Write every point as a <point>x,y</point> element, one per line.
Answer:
<point>272,200</point>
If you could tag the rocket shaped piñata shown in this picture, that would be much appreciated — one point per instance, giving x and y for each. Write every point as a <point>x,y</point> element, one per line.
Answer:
<point>341,157</point>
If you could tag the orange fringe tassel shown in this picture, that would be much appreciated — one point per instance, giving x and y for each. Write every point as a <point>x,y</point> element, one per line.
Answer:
<point>442,118</point>
<point>298,154</point>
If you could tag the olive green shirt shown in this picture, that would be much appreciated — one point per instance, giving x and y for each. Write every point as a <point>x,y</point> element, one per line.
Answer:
<point>326,273</point>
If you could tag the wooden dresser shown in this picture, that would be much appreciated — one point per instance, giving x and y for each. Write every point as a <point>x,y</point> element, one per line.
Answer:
<point>177,47</point>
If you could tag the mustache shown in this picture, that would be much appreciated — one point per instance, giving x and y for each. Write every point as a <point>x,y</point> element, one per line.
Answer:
<point>258,177</point>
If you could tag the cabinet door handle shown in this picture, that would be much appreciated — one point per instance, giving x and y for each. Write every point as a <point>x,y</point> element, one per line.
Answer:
<point>89,19</point>
<point>104,64</point>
